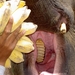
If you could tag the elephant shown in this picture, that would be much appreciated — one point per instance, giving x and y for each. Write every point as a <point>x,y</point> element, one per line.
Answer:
<point>49,15</point>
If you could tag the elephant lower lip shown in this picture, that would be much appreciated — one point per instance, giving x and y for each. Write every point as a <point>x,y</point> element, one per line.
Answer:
<point>49,57</point>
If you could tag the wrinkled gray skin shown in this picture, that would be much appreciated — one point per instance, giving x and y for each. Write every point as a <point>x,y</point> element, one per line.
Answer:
<point>46,14</point>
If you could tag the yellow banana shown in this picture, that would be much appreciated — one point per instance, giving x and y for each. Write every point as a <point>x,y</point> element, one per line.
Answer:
<point>25,38</point>
<point>8,8</point>
<point>29,27</point>
<point>19,12</point>
<point>21,4</point>
<point>24,45</point>
<point>8,63</point>
<point>19,16</point>
<point>16,56</point>
<point>5,13</point>
<point>2,2</point>
<point>15,5</point>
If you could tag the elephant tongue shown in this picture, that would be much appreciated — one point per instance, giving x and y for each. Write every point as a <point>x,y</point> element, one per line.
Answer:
<point>49,56</point>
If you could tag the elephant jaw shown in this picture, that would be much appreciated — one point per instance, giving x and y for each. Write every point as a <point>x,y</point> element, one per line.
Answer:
<point>44,53</point>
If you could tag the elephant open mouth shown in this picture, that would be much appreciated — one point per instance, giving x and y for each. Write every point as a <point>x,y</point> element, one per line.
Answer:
<point>49,39</point>
<point>44,51</point>
<point>53,19</point>
<point>46,44</point>
<point>44,54</point>
<point>43,58</point>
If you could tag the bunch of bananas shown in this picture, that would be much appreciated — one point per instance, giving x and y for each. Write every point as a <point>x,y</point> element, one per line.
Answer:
<point>19,11</point>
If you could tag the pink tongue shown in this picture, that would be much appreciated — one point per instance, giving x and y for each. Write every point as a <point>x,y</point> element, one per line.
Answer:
<point>49,60</point>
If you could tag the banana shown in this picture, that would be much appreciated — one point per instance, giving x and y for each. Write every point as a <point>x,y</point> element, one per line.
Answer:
<point>2,2</point>
<point>17,1</point>
<point>8,8</point>
<point>19,16</point>
<point>29,27</point>
<point>5,13</point>
<point>16,56</point>
<point>21,4</point>
<point>24,45</point>
<point>15,5</point>
<point>8,63</point>
<point>25,38</point>
<point>19,12</point>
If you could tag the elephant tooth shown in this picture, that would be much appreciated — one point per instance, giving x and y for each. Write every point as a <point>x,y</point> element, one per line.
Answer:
<point>63,28</point>
<point>40,50</point>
